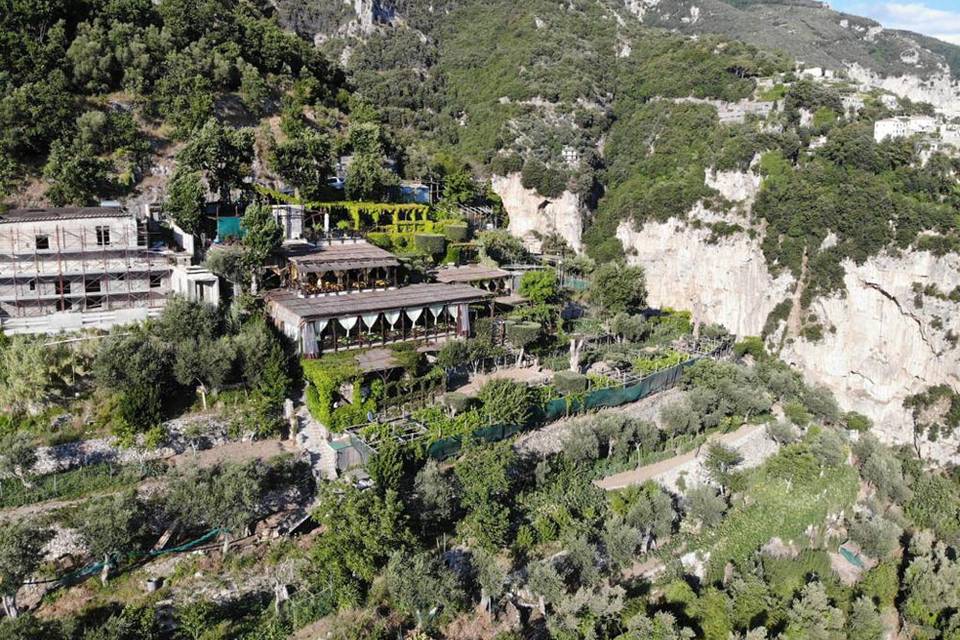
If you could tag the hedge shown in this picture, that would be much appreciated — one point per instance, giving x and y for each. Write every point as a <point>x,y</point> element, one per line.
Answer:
<point>570,382</point>
<point>457,232</point>
<point>430,243</point>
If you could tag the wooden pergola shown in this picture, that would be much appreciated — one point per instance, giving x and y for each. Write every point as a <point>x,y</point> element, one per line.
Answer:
<point>339,267</point>
<point>425,312</point>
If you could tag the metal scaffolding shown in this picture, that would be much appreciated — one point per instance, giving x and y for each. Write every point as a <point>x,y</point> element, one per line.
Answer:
<point>80,268</point>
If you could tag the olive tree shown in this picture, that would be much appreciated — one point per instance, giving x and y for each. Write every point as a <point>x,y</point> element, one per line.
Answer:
<point>21,546</point>
<point>18,455</point>
<point>226,498</point>
<point>111,527</point>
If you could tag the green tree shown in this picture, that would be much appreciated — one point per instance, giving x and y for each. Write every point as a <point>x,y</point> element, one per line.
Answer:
<point>486,478</point>
<point>877,536</point>
<point>502,248</point>
<point>386,468</point>
<point>18,455</point>
<point>459,187</point>
<point>226,498</point>
<point>111,528</point>
<point>75,173</point>
<point>303,161</point>
<point>813,617</point>
<point>205,363</point>
<point>359,532</point>
<point>521,335</point>
<point>421,587</point>
<point>138,367</point>
<point>254,91</point>
<point>228,262</point>
<point>262,236</point>
<point>491,577</point>
<point>186,200</point>
<point>437,496</point>
<point>720,463</point>
<point>223,154</point>
<point>620,542</point>
<point>506,401</point>
<point>704,505</point>
<point>647,508</point>
<point>864,622</point>
<point>617,288</point>
<point>367,178</point>
<point>21,551</point>
<point>540,287</point>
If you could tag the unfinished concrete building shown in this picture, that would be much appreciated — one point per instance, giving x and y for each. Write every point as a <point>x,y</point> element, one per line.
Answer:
<point>66,269</point>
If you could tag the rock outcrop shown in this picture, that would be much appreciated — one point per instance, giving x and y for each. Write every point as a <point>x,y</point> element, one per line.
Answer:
<point>881,347</point>
<point>940,90</point>
<point>532,215</point>
<point>878,345</point>
<point>726,276</point>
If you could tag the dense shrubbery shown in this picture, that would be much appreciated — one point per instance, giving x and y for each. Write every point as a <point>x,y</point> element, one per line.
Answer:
<point>60,54</point>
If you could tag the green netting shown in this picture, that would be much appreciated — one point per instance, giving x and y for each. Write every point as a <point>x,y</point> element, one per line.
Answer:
<point>562,407</point>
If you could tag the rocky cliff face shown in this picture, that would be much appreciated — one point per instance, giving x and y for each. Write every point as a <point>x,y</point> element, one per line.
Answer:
<point>532,215</point>
<point>726,276</point>
<point>882,342</point>
<point>940,89</point>
<point>882,346</point>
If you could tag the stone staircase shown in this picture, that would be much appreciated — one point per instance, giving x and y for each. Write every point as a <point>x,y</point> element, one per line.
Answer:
<point>314,439</point>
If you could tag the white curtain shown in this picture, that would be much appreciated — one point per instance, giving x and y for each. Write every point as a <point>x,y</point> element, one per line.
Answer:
<point>414,314</point>
<point>436,310</point>
<point>392,317</point>
<point>309,339</point>
<point>454,311</point>
<point>370,319</point>
<point>320,325</point>
<point>464,320</point>
<point>348,323</point>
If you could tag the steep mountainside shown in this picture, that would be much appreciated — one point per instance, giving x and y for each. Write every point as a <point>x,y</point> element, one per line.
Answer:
<point>809,31</point>
<point>760,198</point>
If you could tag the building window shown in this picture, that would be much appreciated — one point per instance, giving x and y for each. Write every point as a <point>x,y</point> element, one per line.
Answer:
<point>33,285</point>
<point>43,242</point>
<point>156,281</point>
<point>92,286</point>
<point>94,302</point>
<point>103,236</point>
<point>62,288</point>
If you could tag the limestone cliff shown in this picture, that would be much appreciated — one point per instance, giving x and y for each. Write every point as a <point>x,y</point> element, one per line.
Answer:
<point>887,340</point>
<point>884,340</point>
<point>940,90</point>
<point>533,216</point>
<point>686,262</point>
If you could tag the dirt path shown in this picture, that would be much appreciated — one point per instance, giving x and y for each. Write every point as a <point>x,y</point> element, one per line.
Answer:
<point>231,452</point>
<point>652,471</point>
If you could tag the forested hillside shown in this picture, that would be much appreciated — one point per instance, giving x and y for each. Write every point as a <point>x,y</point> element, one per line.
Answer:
<point>91,90</point>
<point>586,464</point>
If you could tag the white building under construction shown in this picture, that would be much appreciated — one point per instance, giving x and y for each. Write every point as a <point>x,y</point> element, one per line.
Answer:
<point>66,269</point>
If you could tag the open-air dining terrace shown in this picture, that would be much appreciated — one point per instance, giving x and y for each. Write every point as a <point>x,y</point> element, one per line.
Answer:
<point>421,312</point>
<point>339,267</point>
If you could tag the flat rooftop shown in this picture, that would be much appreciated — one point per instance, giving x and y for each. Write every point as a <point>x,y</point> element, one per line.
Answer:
<point>470,273</point>
<point>411,297</point>
<point>61,213</point>
<point>339,256</point>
